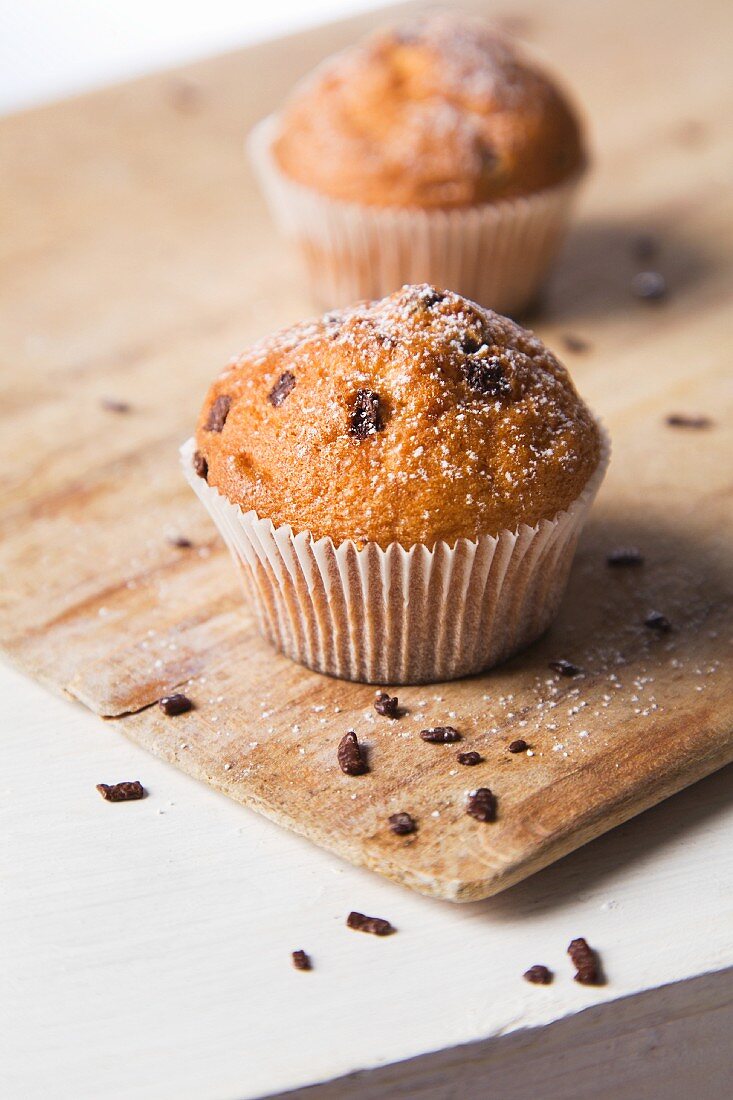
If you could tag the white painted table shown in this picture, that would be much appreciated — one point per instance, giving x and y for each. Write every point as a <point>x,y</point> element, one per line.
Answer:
<point>145,948</point>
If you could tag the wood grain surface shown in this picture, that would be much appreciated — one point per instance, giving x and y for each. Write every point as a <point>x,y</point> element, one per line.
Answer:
<point>136,257</point>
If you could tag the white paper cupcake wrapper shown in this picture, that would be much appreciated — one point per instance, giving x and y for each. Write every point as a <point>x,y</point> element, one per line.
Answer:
<point>496,254</point>
<point>399,616</point>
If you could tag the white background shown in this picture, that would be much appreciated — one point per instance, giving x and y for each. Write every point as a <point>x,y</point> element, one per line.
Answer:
<point>53,48</point>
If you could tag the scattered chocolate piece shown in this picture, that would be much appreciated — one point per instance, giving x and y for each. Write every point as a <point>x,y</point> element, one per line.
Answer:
<point>683,420</point>
<point>171,705</point>
<point>575,343</point>
<point>185,96</point>
<point>375,925</point>
<point>281,389</point>
<point>402,824</point>
<point>482,804</point>
<point>114,405</point>
<point>538,975</point>
<point>301,961</point>
<point>440,735</point>
<point>485,376</point>
<point>655,620</point>
<point>586,963</point>
<point>180,541</point>
<point>645,247</point>
<point>366,418</point>
<point>388,705</point>
<point>625,555</point>
<point>200,465</point>
<point>649,286</point>
<point>469,759</point>
<point>218,413</point>
<point>349,754</point>
<point>121,792</point>
<point>565,668</point>
<point>520,745</point>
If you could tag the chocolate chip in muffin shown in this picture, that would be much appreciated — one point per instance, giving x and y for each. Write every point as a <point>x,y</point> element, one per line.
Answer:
<point>624,556</point>
<point>431,297</point>
<point>586,962</point>
<point>484,375</point>
<point>440,735</point>
<point>387,705</point>
<point>376,926</point>
<point>469,759</point>
<point>402,824</point>
<point>565,668</point>
<point>284,385</point>
<point>649,286</point>
<point>218,413</point>
<point>350,755</point>
<point>684,420</point>
<point>655,620</point>
<point>482,804</point>
<point>366,418</point>
<point>520,745</point>
<point>200,465</point>
<point>171,705</point>
<point>129,791</point>
<point>301,961</point>
<point>538,975</point>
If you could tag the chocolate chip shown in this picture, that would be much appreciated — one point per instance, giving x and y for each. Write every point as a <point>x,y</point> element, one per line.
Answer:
<point>485,376</point>
<point>649,286</point>
<point>645,247</point>
<point>431,297</point>
<point>200,465</point>
<point>387,705</point>
<point>171,705</point>
<point>682,420</point>
<point>281,389</point>
<point>440,735</point>
<point>575,343</point>
<point>520,745</point>
<point>482,804</point>
<point>624,556</point>
<point>489,156</point>
<point>586,963</point>
<point>114,405</point>
<point>538,975</point>
<point>366,418</point>
<point>122,792</point>
<point>375,925</point>
<point>218,414</point>
<point>402,824</point>
<point>655,620</point>
<point>180,542</point>
<point>565,668</point>
<point>349,755</point>
<point>469,759</point>
<point>301,961</point>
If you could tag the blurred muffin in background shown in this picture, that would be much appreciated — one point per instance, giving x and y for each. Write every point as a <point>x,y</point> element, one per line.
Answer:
<point>431,152</point>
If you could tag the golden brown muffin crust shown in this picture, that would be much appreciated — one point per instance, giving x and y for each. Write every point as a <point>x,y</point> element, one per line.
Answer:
<point>419,418</point>
<point>440,112</point>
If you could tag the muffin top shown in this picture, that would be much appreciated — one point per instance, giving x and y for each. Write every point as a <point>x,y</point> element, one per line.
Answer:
<point>418,418</point>
<point>440,112</point>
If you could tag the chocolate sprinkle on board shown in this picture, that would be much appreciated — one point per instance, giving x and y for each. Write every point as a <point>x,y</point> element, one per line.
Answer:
<point>171,705</point>
<point>200,465</point>
<point>301,961</point>
<point>114,405</point>
<point>538,975</point>
<point>469,759</point>
<point>281,389</point>
<point>649,286</point>
<point>683,420</point>
<point>482,804</point>
<point>402,824</point>
<point>365,418</point>
<point>376,926</point>
<point>349,754</point>
<point>565,668</point>
<point>655,620</point>
<point>129,791</point>
<point>485,376</point>
<point>624,556</point>
<point>180,542</point>
<point>586,963</point>
<point>218,414</point>
<point>575,343</point>
<point>645,247</point>
<point>440,735</point>
<point>520,745</point>
<point>387,705</point>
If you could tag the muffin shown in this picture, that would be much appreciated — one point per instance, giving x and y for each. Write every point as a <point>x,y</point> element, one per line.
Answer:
<point>431,152</point>
<point>401,485</point>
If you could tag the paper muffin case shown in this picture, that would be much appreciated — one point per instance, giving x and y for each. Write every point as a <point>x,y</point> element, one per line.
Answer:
<point>399,616</point>
<point>496,253</point>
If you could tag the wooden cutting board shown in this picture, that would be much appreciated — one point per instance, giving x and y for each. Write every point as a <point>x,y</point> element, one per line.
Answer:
<point>136,257</point>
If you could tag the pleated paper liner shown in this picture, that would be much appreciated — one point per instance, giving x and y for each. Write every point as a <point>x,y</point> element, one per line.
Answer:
<point>397,616</point>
